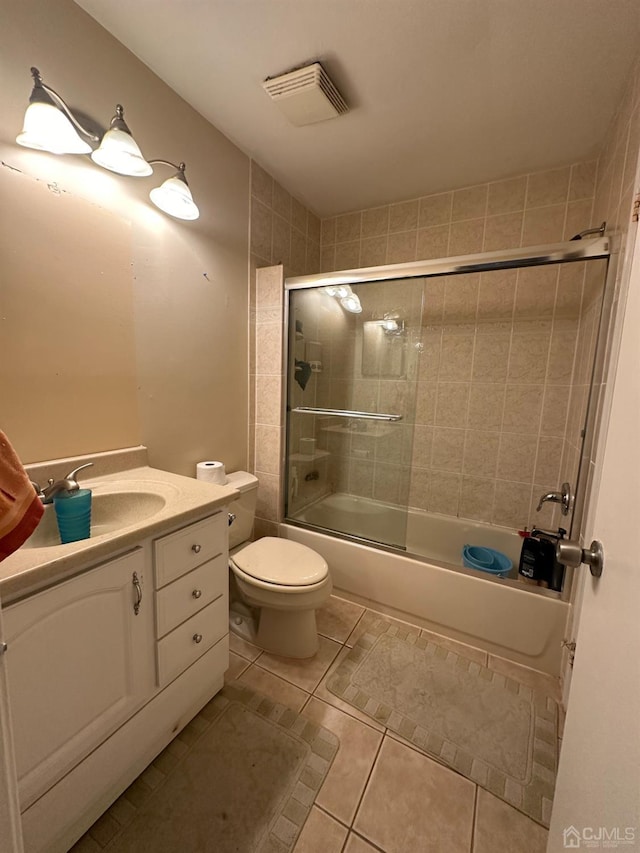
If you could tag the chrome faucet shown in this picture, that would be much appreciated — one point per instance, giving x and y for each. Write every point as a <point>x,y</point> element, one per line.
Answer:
<point>564,498</point>
<point>53,488</point>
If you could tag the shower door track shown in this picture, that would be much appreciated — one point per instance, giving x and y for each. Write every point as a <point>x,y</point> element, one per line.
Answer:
<point>528,256</point>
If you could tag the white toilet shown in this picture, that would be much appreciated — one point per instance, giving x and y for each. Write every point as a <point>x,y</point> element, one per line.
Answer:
<point>275,584</point>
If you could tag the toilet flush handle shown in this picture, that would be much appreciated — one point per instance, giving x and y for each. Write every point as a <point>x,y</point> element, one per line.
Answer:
<point>232,518</point>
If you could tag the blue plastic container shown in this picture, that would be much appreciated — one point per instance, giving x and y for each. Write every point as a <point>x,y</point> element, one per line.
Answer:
<point>486,560</point>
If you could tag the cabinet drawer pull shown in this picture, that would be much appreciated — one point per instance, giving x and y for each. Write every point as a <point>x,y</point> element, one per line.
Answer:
<point>196,548</point>
<point>197,638</point>
<point>196,593</point>
<point>138,589</point>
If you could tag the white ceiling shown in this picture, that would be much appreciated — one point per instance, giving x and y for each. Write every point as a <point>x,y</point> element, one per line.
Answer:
<point>443,93</point>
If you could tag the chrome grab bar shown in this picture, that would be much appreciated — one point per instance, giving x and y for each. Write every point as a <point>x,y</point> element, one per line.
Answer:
<point>344,413</point>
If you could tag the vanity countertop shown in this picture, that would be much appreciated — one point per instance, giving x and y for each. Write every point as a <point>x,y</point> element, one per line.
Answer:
<point>185,500</point>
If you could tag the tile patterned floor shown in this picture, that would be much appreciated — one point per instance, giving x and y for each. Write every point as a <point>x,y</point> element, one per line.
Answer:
<point>381,794</point>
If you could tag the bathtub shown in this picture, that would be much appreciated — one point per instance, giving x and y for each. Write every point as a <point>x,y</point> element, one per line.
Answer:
<point>506,617</point>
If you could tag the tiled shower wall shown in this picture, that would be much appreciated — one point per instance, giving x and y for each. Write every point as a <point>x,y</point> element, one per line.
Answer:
<point>283,232</point>
<point>502,351</point>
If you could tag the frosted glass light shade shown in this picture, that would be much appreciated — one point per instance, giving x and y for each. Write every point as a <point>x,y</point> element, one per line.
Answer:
<point>339,290</point>
<point>46,128</point>
<point>174,197</point>
<point>119,153</point>
<point>351,303</point>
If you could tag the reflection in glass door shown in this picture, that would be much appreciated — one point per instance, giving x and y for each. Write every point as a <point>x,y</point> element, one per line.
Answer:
<point>353,358</point>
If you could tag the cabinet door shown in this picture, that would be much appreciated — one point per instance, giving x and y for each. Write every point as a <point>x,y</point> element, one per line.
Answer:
<point>80,662</point>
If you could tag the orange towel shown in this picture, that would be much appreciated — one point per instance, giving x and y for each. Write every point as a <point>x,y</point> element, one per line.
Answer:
<point>20,507</point>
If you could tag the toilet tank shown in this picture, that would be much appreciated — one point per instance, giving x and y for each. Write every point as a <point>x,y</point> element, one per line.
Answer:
<point>244,508</point>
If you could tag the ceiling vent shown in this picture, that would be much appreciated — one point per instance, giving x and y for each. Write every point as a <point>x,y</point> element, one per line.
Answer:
<point>306,95</point>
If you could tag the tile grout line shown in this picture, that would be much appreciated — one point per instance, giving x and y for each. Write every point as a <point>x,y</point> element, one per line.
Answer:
<point>474,818</point>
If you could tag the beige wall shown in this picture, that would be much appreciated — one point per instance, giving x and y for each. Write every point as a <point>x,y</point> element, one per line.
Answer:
<point>125,326</point>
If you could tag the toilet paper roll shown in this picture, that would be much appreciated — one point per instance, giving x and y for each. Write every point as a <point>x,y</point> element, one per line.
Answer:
<point>211,471</point>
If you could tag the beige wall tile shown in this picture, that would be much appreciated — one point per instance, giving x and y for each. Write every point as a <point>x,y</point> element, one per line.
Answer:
<point>419,488</point>
<point>373,251</point>
<point>481,453</point>
<point>491,358</point>
<point>328,231</point>
<point>313,258</point>
<point>281,246</point>
<point>298,260</point>
<point>554,410</point>
<point>268,448</point>
<point>422,445</point>
<point>465,238</point>
<point>486,406</point>
<point>550,187</point>
<point>517,457</point>
<point>261,226</point>
<point>261,184</point>
<point>497,295</point>
<point>268,348</point>
<point>452,404</point>
<point>448,448</point>
<point>435,210</point>
<point>375,222</point>
<point>507,196</point>
<point>347,255</point>
<point>455,363</point>
<point>511,504</point>
<point>269,288</point>
<point>502,231</point>
<point>536,291</point>
<point>403,216</point>
<point>327,258</point>
<point>444,492</point>
<point>299,216</point>
<point>548,459</point>
<point>528,358</point>
<point>578,213</point>
<point>281,201</point>
<point>469,203</point>
<point>314,227</point>
<point>426,402</point>
<point>401,248</point>
<point>583,180</point>
<point>477,497</point>
<point>543,225</point>
<point>268,401</point>
<point>348,227</point>
<point>432,242</point>
<point>268,500</point>
<point>361,473</point>
<point>522,408</point>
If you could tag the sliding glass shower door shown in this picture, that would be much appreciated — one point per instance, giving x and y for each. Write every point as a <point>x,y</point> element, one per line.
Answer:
<point>353,358</point>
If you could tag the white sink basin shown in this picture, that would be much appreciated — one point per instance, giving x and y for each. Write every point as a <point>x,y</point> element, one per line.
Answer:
<point>109,512</point>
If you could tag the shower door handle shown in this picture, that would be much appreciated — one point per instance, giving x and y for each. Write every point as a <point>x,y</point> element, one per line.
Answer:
<point>345,413</point>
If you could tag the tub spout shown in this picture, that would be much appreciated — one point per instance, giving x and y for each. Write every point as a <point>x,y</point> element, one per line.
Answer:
<point>564,498</point>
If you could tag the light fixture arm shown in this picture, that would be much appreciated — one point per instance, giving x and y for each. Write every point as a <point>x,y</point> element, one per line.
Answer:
<point>180,168</point>
<point>39,84</point>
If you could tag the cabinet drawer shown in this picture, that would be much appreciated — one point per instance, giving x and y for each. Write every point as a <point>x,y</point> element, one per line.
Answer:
<point>181,647</point>
<point>180,599</point>
<point>179,552</point>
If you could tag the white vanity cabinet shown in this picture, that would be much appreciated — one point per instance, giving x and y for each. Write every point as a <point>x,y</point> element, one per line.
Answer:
<point>81,663</point>
<point>105,668</point>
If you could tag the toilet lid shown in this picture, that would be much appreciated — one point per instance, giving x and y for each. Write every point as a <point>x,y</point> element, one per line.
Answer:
<point>281,561</point>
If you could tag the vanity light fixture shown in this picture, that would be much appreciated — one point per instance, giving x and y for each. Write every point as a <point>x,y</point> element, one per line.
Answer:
<point>119,152</point>
<point>339,290</point>
<point>351,303</point>
<point>49,125</point>
<point>174,196</point>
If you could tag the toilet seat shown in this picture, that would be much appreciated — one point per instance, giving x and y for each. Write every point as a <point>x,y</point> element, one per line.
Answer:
<point>274,562</point>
